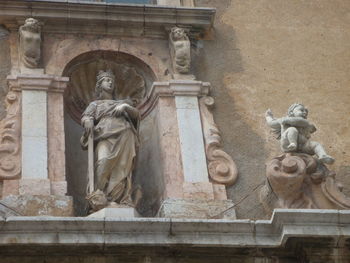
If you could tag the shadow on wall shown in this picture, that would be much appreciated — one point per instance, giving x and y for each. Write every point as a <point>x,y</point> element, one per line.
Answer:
<point>218,58</point>
<point>5,67</point>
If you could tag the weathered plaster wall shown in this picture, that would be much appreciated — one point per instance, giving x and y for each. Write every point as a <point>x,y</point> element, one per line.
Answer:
<point>5,66</point>
<point>270,54</point>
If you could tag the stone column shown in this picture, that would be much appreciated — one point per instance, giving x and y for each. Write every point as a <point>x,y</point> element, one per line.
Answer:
<point>42,144</point>
<point>187,190</point>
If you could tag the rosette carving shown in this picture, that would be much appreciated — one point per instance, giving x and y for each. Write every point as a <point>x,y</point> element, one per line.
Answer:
<point>10,132</point>
<point>222,169</point>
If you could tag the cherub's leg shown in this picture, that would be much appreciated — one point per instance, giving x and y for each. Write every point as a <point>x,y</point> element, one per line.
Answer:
<point>321,153</point>
<point>291,134</point>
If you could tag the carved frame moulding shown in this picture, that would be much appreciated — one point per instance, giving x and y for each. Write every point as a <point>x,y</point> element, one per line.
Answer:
<point>106,18</point>
<point>10,138</point>
<point>222,169</point>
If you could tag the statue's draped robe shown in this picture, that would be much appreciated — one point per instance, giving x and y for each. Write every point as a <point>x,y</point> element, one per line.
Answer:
<point>115,140</point>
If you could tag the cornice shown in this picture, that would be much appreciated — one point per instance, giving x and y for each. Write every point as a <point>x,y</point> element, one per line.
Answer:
<point>283,226</point>
<point>71,16</point>
<point>37,82</point>
<point>170,89</point>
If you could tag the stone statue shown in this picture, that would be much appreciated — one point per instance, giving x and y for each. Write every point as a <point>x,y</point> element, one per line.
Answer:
<point>297,179</point>
<point>113,125</point>
<point>30,43</point>
<point>180,48</point>
<point>294,132</point>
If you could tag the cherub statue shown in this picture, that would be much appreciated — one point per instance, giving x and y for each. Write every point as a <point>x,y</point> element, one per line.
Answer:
<point>294,132</point>
<point>30,43</point>
<point>180,48</point>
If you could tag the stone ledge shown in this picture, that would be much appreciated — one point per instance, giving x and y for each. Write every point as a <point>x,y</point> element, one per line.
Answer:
<point>79,231</point>
<point>105,18</point>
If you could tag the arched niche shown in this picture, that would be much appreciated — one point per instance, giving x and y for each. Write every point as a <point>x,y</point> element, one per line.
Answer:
<point>133,79</point>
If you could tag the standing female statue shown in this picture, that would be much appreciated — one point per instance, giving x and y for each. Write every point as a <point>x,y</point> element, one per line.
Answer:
<point>113,124</point>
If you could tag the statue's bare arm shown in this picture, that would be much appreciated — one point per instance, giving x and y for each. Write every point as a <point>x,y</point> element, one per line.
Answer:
<point>130,110</point>
<point>296,121</point>
<point>271,121</point>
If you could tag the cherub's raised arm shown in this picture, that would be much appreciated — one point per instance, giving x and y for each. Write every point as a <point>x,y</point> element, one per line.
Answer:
<point>296,121</point>
<point>271,121</point>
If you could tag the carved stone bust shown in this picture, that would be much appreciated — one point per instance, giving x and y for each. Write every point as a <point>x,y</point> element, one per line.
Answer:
<point>30,43</point>
<point>180,50</point>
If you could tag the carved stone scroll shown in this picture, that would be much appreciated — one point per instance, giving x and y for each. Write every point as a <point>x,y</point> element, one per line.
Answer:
<point>10,134</point>
<point>222,168</point>
<point>297,180</point>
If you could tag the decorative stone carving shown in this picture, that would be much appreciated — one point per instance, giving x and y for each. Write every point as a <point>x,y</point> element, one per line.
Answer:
<point>111,128</point>
<point>30,43</point>
<point>294,132</point>
<point>297,179</point>
<point>222,168</point>
<point>10,136</point>
<point>180,50</point>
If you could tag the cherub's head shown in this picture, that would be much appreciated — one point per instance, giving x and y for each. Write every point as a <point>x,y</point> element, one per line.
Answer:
<point>178,33</point>
<point>31,24</point>
<point>105,83</point>
<point>297,110</point>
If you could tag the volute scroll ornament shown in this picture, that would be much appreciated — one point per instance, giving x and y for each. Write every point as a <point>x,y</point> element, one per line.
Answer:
<point>10,134</point>
<point>222,169</point>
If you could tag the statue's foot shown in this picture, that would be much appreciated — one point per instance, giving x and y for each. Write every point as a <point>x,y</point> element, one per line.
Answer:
<point>292,147</point>
<point>326,159</point>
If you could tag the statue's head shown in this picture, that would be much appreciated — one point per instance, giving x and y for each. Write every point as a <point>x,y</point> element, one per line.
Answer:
<point>297,110</point>
<point>105,82</point>
<point>31,24</point>
<point>178,33</point>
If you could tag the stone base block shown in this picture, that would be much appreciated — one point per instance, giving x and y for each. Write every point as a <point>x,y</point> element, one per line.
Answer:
<point>59,187</point>
<point>10,187</point>
<point>34,187</point>
<point>200,190</point>
<point>36,71</point>
<point>39,205</point>
<point>197,209</point>
<point>112,212</point>
<point>184,76</point>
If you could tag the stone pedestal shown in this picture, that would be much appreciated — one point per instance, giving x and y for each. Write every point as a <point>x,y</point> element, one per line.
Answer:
<point>40,141</point>
<point>192,208</point>
<point>113,212</point>
<point>180,153</point>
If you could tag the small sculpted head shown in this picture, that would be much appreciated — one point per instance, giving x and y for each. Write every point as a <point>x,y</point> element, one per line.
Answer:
<point>31,24</point>
<point>178,33</point>
<point>298,110</point>
<point>105,83</point>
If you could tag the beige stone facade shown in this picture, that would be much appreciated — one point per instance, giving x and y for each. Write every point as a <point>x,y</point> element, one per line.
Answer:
<point>204,143</point>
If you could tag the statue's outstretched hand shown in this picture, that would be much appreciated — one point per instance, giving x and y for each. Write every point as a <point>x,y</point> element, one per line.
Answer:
<point>268,113</point>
